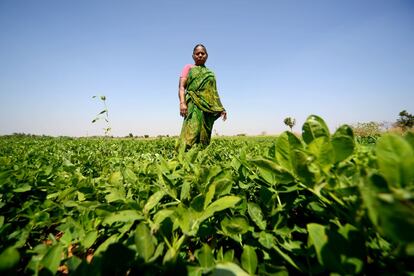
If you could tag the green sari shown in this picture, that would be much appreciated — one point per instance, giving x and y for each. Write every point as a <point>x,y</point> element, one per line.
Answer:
<point>203,107</point>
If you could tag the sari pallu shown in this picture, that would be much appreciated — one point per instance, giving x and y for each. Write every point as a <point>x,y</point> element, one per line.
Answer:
<point>204,107</point>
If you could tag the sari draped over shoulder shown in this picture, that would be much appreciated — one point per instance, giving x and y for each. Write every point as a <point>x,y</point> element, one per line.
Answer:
<point>204,107</point>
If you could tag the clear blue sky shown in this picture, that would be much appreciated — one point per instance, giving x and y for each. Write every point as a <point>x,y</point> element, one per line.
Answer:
<point>348,61</point>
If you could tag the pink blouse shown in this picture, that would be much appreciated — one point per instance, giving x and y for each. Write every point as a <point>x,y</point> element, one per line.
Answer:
<point>186,69</point>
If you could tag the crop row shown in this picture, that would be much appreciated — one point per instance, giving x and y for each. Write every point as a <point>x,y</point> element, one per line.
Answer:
<point>315,204</point>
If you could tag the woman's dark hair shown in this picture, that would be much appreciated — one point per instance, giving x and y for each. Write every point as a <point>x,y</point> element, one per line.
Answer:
<point>200,45</point>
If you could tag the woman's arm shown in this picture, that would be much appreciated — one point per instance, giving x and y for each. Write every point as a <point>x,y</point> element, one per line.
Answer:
<point>181,96</point>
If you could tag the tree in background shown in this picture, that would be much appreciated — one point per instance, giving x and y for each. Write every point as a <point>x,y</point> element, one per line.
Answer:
<point>406,120</point>
<point>290,122</point>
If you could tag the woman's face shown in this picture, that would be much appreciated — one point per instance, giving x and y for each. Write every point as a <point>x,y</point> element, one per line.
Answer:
<point>200,56</point>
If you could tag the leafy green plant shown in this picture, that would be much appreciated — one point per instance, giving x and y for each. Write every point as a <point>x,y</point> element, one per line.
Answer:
<point>320,203</point>
<point>103,115</point>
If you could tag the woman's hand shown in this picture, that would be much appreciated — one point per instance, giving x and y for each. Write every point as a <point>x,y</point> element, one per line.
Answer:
<point>223,114</point>
<point>183,109</point>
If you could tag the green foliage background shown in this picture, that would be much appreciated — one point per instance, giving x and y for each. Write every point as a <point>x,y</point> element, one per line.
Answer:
<point>316,204</point>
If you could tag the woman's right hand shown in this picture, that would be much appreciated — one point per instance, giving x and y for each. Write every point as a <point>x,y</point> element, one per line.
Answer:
<point>223,115</point>
<point>183,109</point>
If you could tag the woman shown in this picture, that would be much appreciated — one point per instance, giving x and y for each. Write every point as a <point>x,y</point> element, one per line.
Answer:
<point>200,103</point>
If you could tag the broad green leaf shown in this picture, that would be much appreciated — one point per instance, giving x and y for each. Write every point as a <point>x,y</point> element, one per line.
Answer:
<point>344,130</point>
<point>395,160</point>
<point>272,172</point>
<point>213,172</point>
<point>103,246</point>
<point>81,196</point>
<point>249,259</point>
<point>24,188</point>
<point>197,204</point>
<point>229,256</point>
<point>369,193</point>
<point>153,200</point>
<point>291,245</point>
<point>343,147</point>
<point>303,171</point>
<point>122,216</point>
<point>129,175</point>
<point>161,215</point>
<point>256,215</point>
<point>195,270</point>
<point>313,128</point>
<point>322,149</point>
<point>354,247</point>
<point>220,255</point>
<point>235,225</point>
<point>339,250</point>
<point>52,258</point>
<point>115,194</point>
<point>286,145</point>
<point>266,239</point>
<point>224,183</point>
<point>90,238</point>
<point>173,249</point>
<point>205,256</point>
<point>187,219</point>
<point>219,205</point>
<point>66,239</point>
<point>319,239</point>
<point>9,258</point>
<point>209,195</point>
<point>144,241</point>
<point>228,268</point>
<point>286,257</point>
<point>185,190</point>
<point>73,263</point>
<point>392,216</point>
<point>158,252</point>
<point>115,179</point>
<point>168,185</point>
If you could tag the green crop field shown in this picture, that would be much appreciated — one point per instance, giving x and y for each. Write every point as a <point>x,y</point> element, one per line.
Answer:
<point>313,205</point>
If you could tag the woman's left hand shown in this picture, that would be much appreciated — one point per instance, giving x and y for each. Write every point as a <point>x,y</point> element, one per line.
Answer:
<point>223,114</point>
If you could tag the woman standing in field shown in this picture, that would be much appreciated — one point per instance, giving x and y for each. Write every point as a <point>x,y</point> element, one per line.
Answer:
<point>200,103</point>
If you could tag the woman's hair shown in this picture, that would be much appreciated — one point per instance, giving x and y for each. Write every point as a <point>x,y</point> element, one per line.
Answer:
<point>200,45</point>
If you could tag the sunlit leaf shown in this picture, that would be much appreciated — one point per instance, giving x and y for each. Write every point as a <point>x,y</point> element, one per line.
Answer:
<point>153,200</point>
<point>144,241</point>
<point>256,215</point>
<point>9,258</point>
<point>122,216</point>
<point>313,128</point>
<point>228,268</point>
<point>249,259</point>
<point>205,256</point>
<point>396,160</point>
<point>286,145</point>
<point>235,225</point>
<point>52,258</point>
